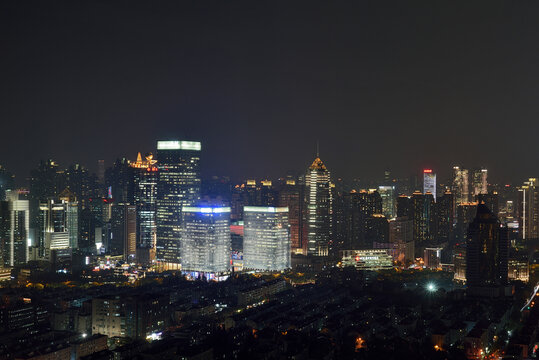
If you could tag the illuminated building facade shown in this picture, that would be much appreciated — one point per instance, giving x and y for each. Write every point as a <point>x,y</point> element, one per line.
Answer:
<point>401,237</point>
<point>528,209</point>
<point>72,217</point>
<point>479,182</point>
<point>146,177</point>
<point>432,258</point>
<point>206,241</point>
<point>14,230</point>
<point>387,193</point>
<point>429,182</point>
<point>518,270</point>
<point>54,228</point>
<point>319,202</point>
<point>460,186</point>
<point>487,251</point>
<point>123,237</point>
<point>374,259</point>
<point>266,240</point>
<point>422,208</point>
<point>291,196</point>
<point>178,185</point>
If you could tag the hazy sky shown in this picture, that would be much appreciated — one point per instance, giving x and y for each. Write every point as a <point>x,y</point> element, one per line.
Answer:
<point>381,84</point>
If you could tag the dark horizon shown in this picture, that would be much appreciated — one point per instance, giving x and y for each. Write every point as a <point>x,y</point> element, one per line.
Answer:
<point>382,85</point>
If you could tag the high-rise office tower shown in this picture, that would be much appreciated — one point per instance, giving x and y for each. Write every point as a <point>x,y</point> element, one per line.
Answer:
<point>429,182</point>
<point>145,196</point>
<point>53,230</point>
<point>401,236</point>
<point>124,231</point>
<point>6,182</point>
<point>528,209</point>
<point>319,201</point>
<point>490,200</point>
<point>422,206</point>
<point>82,183</point>
<point>178,185</point>
<point>206,241</point>
<point>266,241</point>
<point>119,181</point>
<point>14,229</point>
<point>45,183</point>
<point>479,182</point>
<point>72,217</point>
<point>465,215</point>
<point>387,193</point>
<point>460,186</point>
<point>443,218</point>
<point>404,206</point>
<point>101,171</point>
<point>487,251</point>
<point>363,222</point>
<point>291,196</point>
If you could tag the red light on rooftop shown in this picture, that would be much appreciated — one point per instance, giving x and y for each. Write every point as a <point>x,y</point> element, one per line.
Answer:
<point>427,171</point>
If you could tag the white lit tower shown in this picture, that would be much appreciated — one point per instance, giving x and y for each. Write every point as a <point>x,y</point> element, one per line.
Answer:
<point>429,182</point>
<point>178,185</point>
<point>319,199</point>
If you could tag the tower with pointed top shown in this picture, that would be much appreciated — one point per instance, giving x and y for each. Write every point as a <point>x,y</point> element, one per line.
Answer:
<point>318,198</point>
<point>145,195</point>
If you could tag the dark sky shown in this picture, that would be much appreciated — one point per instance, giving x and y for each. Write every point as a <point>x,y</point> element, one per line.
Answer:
<point>396,84</point>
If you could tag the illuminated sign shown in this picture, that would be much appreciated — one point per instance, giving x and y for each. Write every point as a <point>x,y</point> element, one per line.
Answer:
<point>206,210</point>
<point>179,145</point>
<point>427,171</point>
<point>265,209</point>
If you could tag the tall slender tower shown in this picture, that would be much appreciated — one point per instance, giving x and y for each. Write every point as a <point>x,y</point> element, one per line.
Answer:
<point>318,183</point>
<point>429,182</point>
<point>14,229</point>
<point>479,182</point>
<point>146,176</point>
<point>460,186</point>
<point>178,185</point>
<point>528,209</point>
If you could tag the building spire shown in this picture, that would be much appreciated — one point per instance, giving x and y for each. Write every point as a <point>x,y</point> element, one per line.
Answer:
<point>317,148</point>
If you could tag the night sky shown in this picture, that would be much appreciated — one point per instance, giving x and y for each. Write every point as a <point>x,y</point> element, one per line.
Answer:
<point>381,84</point>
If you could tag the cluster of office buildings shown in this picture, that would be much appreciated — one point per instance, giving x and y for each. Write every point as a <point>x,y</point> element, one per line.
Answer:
<point>157,211</point>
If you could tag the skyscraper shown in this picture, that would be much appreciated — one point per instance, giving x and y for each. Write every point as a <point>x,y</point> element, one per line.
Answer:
<point>487,251</point>
<point>206,241</point>
<point>72,217</point>
<point>429,182</point>
<point>422,206</point>
<point>318,209</point>
<point>479,182</point>
<point>291,196</point>
<point>266,242</point>
<point>387,193</point>
<point>14,229</point>
<point>145,177</point>
<point>124,231</point>
<point>443,218</point>
<point>53,230</point>
<point>528,209</point>
<point>178,185</point>
<point>460,186</point>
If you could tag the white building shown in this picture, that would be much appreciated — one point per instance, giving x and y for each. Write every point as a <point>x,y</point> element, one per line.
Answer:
<point>14,229</point>
<point>266,241</point>
<point>205,239</point>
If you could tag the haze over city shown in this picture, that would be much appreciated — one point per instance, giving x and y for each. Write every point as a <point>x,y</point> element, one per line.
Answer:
<point>382,85</point>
